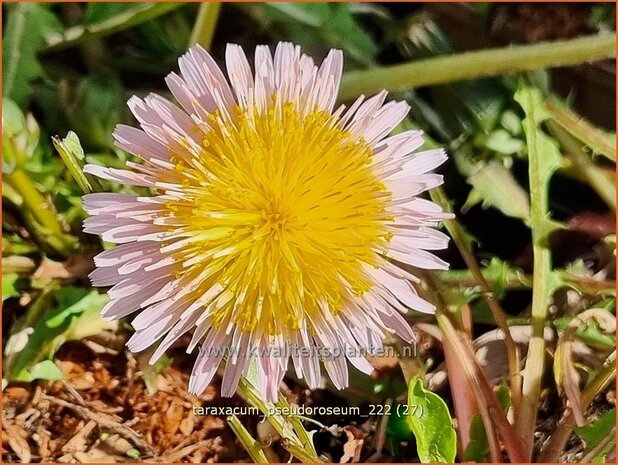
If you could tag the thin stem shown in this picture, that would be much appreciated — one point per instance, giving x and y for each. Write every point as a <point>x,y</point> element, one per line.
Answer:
<point>539,157</point>
<point>251,445</point>
<point>457,232</point>
<point>300,430</point>
<point>487,401</point>
<point>286,429</point>
<point>34,201</point>
<point>598,179</point>
<point>472,65</point>
<point>462,393</point>
<point>488,404</point>
<point>205,24</point>
<point>580,128</point>
<point>516,280</point>
<point>17,264</point>
<point>512,279</point>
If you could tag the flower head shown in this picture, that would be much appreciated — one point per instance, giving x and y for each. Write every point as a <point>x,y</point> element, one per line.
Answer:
<point>276,225</point>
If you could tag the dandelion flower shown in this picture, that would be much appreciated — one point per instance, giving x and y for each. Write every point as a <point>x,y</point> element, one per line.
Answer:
<point>275,221</point>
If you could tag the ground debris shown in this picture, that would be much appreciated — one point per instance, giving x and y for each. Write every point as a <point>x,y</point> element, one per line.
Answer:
<point>98,415</point>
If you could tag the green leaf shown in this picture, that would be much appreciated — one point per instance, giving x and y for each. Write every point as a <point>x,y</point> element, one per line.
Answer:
<point>494,186</point>
<point>102,11</point>
<point>309,14</point>
<point>319,25</point>
<point>8,286</point>
<point>27,25</point>
<point>46,369</point>
<point>76,315</point>
<point>590,333</point>
<point>596,433</point>
<point>502,142</point>
<point>398,427</point>
<point>431,424</point>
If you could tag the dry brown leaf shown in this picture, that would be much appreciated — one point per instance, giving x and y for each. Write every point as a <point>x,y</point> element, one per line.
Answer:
<point>353,447</point>
<point>173,416</point>
<point>187,424</point>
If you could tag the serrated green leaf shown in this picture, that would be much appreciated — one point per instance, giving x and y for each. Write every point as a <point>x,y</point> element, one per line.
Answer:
<point>431,424</point>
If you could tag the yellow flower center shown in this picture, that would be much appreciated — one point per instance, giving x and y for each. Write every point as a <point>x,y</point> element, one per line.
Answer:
<point>281,209</point>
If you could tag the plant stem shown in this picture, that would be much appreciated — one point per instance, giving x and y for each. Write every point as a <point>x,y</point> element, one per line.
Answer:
<point>139,13</point>
<point>488,404</point>
<point>604,186</point>
<point>282,425</point>
<point>464,401</point>
<point>459,237</point>
<point>582,130</point>
<point>516,280</point>
<point>205,24</point>
<point>483,63</point>
<point>38,214</point>
<point>299,429</point>
<point>540,171</point>
<point>251,445</point>
<point>512,279</point>
<point>17,264</point>
<point>34,200</point>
